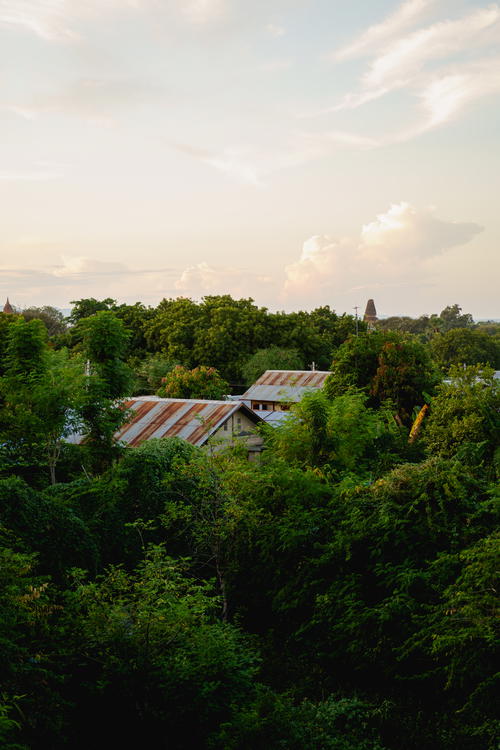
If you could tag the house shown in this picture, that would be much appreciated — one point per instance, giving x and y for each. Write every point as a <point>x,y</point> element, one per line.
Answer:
<point>275,390</point>
<point>193,420</point>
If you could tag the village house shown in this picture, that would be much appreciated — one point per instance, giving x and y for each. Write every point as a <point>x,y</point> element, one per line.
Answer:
<point>194,420</point>
<point>276,390</point>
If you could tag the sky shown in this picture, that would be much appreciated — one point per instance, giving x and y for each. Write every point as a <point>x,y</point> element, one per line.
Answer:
<point>299,152</point>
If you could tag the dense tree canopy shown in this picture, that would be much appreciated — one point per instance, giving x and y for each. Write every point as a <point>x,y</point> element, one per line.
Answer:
<point>465,346</point>
<point>339,592</point>
<point>386,366</point>
<point>200,382</point>
<point>51,317</point>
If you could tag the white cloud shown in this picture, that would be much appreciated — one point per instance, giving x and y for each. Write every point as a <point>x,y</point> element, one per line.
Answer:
<point>55,20</point>
<point>405,232</point>
<point>406,56</point>
<point>80,265</point>
<point>376,35</point>
<point>424,63</point>
<point>394,249</point>
<point>202,278</point>
<point>447,94</point>
<point>252,166</point>
<point>58,20</point>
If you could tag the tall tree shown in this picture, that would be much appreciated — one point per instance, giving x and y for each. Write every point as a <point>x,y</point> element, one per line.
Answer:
<point>105,341</point>
<point>51,317</point>
<point>84,308</point>
<point>452,317</point>
<point>387,366</point>
<point>41,391</point>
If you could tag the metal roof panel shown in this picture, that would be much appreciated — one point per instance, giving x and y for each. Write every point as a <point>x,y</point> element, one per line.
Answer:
<point>285,385</point>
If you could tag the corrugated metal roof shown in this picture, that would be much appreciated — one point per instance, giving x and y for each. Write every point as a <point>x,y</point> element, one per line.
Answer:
<point>285,385</point>
<point>274,417</point>
<point>190,419</point>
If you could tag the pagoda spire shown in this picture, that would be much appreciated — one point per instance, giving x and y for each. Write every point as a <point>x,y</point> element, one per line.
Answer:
<point>370,315</point>
<point>7,308</point>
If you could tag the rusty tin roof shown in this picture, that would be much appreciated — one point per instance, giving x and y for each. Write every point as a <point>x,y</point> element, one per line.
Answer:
<point>285,385</point>
<point>190,419</point>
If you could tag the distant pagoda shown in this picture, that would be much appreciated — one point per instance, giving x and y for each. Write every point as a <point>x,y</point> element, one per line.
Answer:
<point>7,308</point>
<point>370,315</point>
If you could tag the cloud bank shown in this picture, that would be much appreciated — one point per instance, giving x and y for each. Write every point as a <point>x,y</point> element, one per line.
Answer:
<point>444,65</point>
<point>400,249</point>
<point>394,249</point>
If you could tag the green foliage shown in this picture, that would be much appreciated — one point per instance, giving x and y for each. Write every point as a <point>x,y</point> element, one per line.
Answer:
<point>41,391</point>
<point>404,373</point>
<point>387,366</point>
<point>6,320</point>
<point>135,319</point>
<point>161,662</point>
<point>355,363</point>
<point>172,330</point>
<point>272,358</point>
<point>330,724</point>
<point>150,371</point>
<point>84,308</point>
<point>451,317</point>
<point>465,416</point>
<point>342,436</point>
<point>225,333</point>
<point>340,592</point>
<point>105,342</point>
<point>26,348</point>
<point>42,523</point>
<point>201,382</point>
<point>463,346</point>
<point>51,317</point>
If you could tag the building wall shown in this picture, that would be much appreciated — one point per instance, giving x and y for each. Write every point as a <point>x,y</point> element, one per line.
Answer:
<point>270,406</point>
<point>234,426</point>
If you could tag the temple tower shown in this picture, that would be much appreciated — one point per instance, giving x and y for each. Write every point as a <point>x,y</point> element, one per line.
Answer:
<point>370,315</point>
<point>7,308</point>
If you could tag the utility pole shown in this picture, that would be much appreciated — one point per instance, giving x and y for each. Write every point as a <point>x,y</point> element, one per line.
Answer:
<point>356,308</point>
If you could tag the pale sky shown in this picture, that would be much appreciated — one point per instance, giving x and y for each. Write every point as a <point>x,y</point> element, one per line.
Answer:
<point>300,152</point>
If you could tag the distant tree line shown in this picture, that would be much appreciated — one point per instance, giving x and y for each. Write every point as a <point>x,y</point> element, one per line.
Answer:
<point>241,340</point>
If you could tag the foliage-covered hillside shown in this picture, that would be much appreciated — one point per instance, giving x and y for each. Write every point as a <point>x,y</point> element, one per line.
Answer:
<point>341,593</point>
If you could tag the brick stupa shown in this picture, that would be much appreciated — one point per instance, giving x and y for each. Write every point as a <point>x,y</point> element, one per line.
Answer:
<point>7,308</point>
<point>370,315</point>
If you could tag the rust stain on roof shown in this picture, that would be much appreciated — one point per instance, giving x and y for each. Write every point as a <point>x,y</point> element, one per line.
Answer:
<point>282,385</point>
<point>192,412</point>
<point>297,378</point>
<point>163,412</point>
<point>142,409</point>
<point>211,421</point>
<point>191,420</point>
